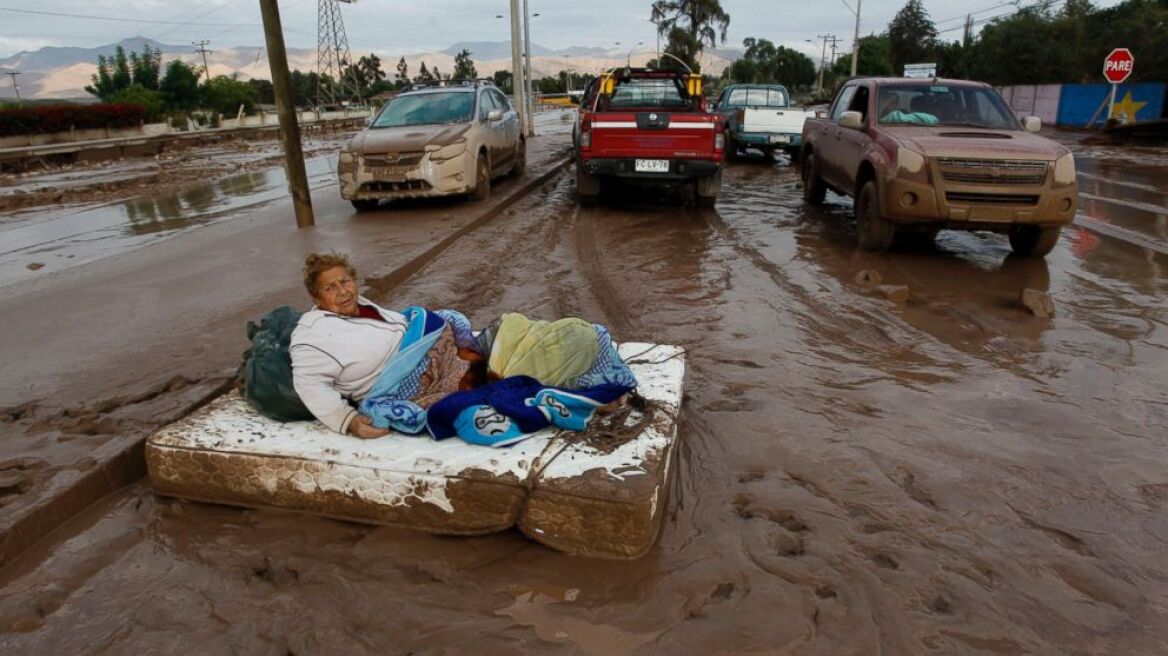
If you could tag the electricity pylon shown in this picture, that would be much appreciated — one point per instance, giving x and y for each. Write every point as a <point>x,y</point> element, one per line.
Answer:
<point>333,56</point>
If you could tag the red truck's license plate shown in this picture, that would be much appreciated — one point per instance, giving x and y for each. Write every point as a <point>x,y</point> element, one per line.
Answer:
<point>651,166</point>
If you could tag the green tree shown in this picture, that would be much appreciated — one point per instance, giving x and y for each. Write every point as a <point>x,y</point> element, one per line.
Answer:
<point>764,62</point>
<point>120,73</point>
<point>464,68</point>
<point>146,68</point>
<point>265,92</point>
<point>424,74</point>
<point>912,36</point>
<point>689,26</point>
<point>180,86</point>
<point>367,71</point>
<point>875,59</point>
<point>403,73</point>
<point>502,79</point>
<point>150,99</point>
<point>226,95</point>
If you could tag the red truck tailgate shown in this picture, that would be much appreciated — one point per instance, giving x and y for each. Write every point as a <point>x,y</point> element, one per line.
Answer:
<point>662,135</point>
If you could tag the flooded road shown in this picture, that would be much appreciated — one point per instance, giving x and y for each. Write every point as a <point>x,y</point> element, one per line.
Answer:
<point>945,475</point>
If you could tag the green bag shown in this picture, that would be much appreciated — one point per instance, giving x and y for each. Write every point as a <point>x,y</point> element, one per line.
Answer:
<point>267,367</point>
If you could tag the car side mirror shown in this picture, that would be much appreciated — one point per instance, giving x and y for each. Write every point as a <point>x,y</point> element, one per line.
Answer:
<point>368,121</point>
<point>851,120</point>
<point>1031,123</point>
<point>494,115</point>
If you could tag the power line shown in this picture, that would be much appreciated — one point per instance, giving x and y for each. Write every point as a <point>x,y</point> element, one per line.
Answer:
<point>1045,4</point>
<point>111,18</point>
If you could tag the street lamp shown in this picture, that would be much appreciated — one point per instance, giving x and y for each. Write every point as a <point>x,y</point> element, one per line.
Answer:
<point>629,56</point>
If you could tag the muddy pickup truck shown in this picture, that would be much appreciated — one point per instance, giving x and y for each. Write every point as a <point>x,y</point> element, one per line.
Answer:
<point>648,125</point>
<point>761,116</point>
<point>924,155</point>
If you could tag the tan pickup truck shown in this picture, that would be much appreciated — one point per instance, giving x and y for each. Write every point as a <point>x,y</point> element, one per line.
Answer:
<point>925,155</point>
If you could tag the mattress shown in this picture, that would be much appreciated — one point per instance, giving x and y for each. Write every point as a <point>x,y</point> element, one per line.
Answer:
<point>599,494</point>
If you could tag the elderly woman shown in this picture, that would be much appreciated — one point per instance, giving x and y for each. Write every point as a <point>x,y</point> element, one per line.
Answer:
<point>346,348</point>
<point>341,345</point>
<point>362,369</point>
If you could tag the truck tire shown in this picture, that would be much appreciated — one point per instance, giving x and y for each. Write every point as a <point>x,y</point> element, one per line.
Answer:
<point>482,189</point>
<point>587,186</point>
<point>706,189</point>
<point>814,191</point>
<point>732,149</point>
<point>366,205</point>
<point>873,231</point>
<point>1033,241</point>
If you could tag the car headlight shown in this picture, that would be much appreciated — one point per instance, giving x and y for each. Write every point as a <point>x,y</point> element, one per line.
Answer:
<point>443,153</point>
<point>346,163</point>
<point>1064,171</point>
<point>909,161</point>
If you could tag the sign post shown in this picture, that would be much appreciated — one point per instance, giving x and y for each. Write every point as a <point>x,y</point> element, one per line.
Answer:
<point>1117,67</point>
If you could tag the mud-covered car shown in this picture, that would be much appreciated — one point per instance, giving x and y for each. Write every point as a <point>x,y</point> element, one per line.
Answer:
<point>925,155</point>
<point>438,141</point>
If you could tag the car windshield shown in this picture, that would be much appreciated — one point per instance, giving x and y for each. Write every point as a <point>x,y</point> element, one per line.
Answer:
<point>648,92</point>
<point>426,109</point>
<point>757,98</point>
<point>944,105</point>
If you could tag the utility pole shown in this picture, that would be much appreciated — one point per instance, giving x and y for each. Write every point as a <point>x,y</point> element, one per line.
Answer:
<point>201,47</point>
<point>856,40</point>
<point>833,42</point>
<point>822,58</point>
<point>529,125</point>
<point>286,110</point>
<point>15,86</point>
<point>517,78</point>
<point>968,30</point>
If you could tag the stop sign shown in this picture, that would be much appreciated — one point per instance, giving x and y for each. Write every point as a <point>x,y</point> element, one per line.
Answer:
<point>1118,65</point>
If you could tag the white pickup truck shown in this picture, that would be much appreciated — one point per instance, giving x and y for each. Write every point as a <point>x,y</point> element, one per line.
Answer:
<point>761,116</point>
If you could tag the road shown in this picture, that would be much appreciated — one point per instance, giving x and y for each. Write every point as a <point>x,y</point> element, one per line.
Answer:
<point>945,475</point>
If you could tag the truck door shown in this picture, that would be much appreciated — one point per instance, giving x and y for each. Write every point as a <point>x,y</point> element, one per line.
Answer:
<point>853,142</point>
<point>829,147</point>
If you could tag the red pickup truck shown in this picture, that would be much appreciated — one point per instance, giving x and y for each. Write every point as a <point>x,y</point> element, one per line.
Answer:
<point>648,125</point>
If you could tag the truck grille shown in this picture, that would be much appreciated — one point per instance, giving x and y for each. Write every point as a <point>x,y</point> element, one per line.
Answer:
<point>394,159</point>
<point>991,199</point>
<point>406,185</point>
<point>1012,172</point>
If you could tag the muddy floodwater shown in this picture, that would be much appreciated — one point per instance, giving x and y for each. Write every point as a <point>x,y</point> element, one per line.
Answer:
<point>858,474</point>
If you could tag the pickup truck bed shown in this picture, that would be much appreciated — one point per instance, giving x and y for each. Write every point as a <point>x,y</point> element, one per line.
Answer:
<point>648,126</point>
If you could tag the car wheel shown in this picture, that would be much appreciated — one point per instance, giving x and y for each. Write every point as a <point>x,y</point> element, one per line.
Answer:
<point>365,205</point>
<point>1033,241</point>
<point>587,186</point>
<point>520,164</point>
<point>706,189</point>
<point>874,232</point>
<point>814,191</point>
<point>732,150</point>
<point>482,189</point>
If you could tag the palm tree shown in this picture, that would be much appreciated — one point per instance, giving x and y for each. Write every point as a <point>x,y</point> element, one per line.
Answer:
<point>690,25</point>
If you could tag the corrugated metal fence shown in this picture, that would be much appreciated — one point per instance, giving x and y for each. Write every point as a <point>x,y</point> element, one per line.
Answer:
<point>1075,105</point>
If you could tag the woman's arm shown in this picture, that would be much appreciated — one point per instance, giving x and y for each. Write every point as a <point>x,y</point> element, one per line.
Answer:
<point>314,373</point>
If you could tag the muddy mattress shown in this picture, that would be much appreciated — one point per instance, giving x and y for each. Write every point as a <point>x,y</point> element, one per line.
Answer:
<point>599,493</point>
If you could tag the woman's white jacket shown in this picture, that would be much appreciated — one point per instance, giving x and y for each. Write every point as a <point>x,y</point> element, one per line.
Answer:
<point>336,360</point>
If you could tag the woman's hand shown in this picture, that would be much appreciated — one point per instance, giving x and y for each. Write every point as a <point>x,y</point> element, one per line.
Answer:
<point>362,427</point>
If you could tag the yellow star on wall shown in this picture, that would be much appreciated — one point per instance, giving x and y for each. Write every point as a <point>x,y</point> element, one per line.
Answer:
<point>1127,107</point>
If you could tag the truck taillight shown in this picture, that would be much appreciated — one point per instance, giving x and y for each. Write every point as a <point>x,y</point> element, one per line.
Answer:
<point>586,132</point>
<point>740,117</point>
<point>719,141</point>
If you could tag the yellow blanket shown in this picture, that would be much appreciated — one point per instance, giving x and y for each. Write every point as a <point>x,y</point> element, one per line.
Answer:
<point>552,352</point>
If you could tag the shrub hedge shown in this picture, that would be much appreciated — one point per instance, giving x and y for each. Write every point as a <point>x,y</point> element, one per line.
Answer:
<point>46,119</point>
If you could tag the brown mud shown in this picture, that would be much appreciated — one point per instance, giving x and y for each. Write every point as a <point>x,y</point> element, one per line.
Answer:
<point>944,475</point>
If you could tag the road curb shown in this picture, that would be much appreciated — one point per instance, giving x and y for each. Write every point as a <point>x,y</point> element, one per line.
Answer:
<point>126,463</point>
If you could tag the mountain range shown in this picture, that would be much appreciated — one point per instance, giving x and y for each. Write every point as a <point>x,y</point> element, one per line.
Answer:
<point>63,72</point>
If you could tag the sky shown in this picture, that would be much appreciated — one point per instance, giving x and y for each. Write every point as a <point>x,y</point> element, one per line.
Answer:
<point>413,26</point>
